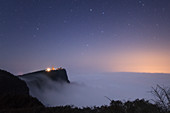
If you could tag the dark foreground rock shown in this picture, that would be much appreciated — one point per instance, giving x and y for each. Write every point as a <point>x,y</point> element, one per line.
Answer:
<point>10,101</point>
<point>10,84</point>
<point>14,94</point>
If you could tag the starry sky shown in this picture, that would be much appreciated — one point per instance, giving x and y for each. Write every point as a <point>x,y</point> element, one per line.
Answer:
<point>85,35</point>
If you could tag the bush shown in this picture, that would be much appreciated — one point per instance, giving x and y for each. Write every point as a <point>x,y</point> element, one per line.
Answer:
<point>162,97</point>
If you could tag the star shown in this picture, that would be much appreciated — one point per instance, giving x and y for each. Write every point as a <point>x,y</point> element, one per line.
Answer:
<point>157,25</point>
<point>102,31</point>
<point>37,28</point>
<point>50,7</point>
<point>71,10</point>
<point>90,10</point>
<point>65,21</point>
<point>140,2</point>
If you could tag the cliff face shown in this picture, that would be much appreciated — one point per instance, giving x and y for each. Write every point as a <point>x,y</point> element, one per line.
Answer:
<point>14,94</point>
<point>10,84</point>
<point>59,75</point>
<point>45,85</point>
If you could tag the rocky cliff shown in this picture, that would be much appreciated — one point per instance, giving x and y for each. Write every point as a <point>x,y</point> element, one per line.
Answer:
<point>59,75</point>
<point>10,84</point>
<point>14,94</point>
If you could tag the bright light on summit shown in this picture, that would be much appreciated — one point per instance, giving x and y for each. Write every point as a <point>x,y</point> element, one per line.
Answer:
<point>48,69</point>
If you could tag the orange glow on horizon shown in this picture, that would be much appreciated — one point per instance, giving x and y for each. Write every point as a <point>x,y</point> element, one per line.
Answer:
<point>147,62</point>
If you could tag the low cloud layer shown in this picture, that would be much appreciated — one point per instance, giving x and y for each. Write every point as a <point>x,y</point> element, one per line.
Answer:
<point>93,89</point>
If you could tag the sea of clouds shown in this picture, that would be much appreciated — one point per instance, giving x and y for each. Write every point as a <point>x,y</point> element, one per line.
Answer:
<point>95,89</point>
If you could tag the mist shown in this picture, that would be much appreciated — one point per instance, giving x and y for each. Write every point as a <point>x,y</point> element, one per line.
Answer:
<point>94,89</point>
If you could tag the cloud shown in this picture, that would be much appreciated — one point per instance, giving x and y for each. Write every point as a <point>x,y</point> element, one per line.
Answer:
<point>91,89</point>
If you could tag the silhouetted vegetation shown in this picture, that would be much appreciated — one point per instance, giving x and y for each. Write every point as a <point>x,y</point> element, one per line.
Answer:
<point>18,101</point>
<point>11,103</point>
<point>162,97</point>
<point>31,105</point>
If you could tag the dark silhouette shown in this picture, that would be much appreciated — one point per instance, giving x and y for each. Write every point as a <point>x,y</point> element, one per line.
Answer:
<point>10,84</point>
<point>56,75</point>
<point>14,94</point>
<point>162,97</point>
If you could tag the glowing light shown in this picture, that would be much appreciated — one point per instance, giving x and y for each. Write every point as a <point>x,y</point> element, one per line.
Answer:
<point>53,68</point>
<point>48,69</point>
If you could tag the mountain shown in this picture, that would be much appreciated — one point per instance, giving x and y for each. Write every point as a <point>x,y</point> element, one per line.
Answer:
<point>41,83</point>
<point>59,75</point>
<point>14,94</point>
<point>10,84</point>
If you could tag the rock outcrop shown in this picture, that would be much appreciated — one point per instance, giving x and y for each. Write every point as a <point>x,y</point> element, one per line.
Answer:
<point>10,84</point>
<point>14,94</point>
<point>9,101</point>
<point>59,75</point>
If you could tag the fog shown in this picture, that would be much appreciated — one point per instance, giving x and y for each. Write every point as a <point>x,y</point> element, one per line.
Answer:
<point>95,89</point>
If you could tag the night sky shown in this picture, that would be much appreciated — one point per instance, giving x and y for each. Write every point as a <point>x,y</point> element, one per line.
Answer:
<point>85,35</point>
